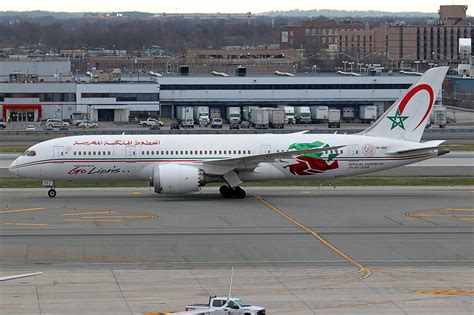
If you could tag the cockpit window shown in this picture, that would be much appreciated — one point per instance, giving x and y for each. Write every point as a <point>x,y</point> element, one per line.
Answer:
<point>29,153</point>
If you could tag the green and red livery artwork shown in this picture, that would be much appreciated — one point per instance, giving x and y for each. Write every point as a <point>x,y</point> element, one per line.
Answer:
<point>312,163</point>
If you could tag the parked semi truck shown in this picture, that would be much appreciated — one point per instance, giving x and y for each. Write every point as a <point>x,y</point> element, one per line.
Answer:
<point>368,113</point>
<point>319,114</point>
<point>334,118</point>
<point>246,112</point>
<point>289,114</point>
<point>233,115</point>
<point>184,115</point>
<point>303,114</point>
<point>348,113</point>
<point>259,118</point>
<point>201,115</point>
<point>276,117</point>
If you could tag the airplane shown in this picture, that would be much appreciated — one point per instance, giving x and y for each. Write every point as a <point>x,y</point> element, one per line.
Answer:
<point>7,278</point>
<point>179,164</point>
<point>283,74</point>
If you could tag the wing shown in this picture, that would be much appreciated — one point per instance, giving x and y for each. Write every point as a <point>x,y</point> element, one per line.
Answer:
<point>19,276</point>
<point>249,163</point>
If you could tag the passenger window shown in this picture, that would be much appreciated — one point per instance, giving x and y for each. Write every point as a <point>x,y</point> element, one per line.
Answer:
<point>133,153</point>
<point>147,152</point>
<point>239,151</point>
<point>89,153</point>
<point>94,152</point>
<point>235,152</point>
<point>205,152</point>
<point>74,152</point>
<point>200,152</point>
<point>220,152</point>
<point>143,152</point>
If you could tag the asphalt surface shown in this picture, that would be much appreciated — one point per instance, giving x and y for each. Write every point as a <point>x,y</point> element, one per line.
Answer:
<point>393,250</point>
<point>138,227</point>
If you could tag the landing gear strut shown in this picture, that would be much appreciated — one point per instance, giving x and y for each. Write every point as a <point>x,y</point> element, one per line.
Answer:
<point>51,191</point>
<point>229,192</point>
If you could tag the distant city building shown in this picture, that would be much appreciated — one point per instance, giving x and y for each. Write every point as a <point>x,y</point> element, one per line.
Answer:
<point>394,45</point>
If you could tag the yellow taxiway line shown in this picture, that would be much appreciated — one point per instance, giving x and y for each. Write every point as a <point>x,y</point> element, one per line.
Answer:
<point>85,213</point>
<point>366,272</point>
<point>22,210</point>
<point>24,224</point>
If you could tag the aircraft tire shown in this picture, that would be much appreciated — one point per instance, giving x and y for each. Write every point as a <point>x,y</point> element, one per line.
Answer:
<point>226,192</point>
<point>239,193</point>
<point>52,193</point>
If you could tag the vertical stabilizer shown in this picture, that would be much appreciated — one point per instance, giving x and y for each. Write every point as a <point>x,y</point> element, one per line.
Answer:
<point>406,118</point>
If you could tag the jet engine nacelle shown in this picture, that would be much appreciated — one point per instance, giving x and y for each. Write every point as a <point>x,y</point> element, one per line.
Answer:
<point>175,178</point>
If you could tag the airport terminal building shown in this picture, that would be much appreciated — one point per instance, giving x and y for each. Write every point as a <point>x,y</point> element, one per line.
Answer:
<point>130,100</point>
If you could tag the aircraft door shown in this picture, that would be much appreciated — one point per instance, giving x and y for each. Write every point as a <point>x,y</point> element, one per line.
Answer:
<point>265,149</point>
<point>58,152</point>
<point>354,150</point>
<point>130,152</point>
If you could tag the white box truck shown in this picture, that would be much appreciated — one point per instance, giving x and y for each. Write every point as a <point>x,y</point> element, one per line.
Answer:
<point>438,116</point>
<point>276,117</point>
<point>201,115</point>
<point>289,114</point>
<point>348,113</point>
<point>259,118</point>
<point>303,114</point>
<point>184,115</point>
<point>233,114</point>
<point>246,112</point>
<point>334,118</point>
<point>368,113</point>
<point>319,114</point>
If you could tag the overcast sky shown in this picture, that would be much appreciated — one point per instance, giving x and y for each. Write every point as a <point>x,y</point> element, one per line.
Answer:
<point>235,6</point>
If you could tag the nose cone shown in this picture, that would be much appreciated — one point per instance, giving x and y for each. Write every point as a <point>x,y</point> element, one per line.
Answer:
<point>13,167</point>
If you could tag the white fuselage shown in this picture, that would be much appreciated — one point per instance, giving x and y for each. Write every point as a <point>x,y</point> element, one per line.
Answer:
<point>132,157</point>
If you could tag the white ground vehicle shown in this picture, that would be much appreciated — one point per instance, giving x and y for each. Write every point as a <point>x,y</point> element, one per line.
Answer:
<point>319,114</point>
<point>56,123</point>
<point>149,122</point>
<point>88,124</point>
<point>303,114</point>
<point>233,114</point>
<point>225,305</point>
<point>334,118</point>
<point>184,114</point>
<point>201,115</point>
<point>216,123</point>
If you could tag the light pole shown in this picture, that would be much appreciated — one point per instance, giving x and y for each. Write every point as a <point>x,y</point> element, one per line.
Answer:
<point>345,65</point>
<point>351,63</point>
<point>417,62</point>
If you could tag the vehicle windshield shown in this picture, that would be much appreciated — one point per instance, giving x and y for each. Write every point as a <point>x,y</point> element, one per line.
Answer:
<point>241,303</point>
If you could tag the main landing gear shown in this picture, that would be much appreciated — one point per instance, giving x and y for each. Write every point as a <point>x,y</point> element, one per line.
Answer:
<point>229,192</point>
<point>51,191</point>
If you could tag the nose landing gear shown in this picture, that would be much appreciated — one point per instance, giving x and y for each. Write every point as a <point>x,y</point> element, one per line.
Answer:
<point>51,191</point>
<point>229,192</point>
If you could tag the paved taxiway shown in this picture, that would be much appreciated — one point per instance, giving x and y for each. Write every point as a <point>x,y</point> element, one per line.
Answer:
<point>296,250</point>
